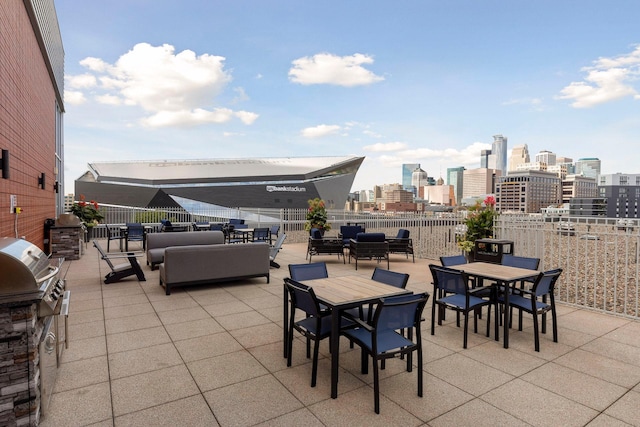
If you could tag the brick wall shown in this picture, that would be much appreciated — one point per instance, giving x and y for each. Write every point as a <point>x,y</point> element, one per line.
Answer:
<point>27,125</point>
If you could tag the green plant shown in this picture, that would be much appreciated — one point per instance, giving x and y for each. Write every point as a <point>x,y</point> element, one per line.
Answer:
<point>479,223</point>
<point>317,215</point>
<point>88,212</point>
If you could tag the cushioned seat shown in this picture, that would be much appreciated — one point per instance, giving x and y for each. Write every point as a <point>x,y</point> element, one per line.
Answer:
<point>369,246</point>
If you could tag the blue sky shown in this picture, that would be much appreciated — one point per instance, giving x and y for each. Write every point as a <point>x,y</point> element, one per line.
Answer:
<point>426,82</point>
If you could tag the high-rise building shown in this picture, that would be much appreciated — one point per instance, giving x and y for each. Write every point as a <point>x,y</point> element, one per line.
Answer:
<point>484,158</point>
<point>622,192</point>
<point>578,186</point>
<point>588,166</point>
<point>499,150</point>
<point>519,155</point>
<point>528,191</point>
<point>479,182</point>
<point>407,173</point>
<point>547,157</point>
<point>419,178</point>
<point>454,178</point>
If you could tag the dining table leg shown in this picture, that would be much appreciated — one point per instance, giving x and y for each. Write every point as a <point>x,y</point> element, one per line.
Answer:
<point>505,320</point>
<point>335,350</point>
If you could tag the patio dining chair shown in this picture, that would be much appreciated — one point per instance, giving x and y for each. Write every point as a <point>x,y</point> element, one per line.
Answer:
<point>261,234</point>
<point>388,277</point>
<point>381,339</point>
<point>114,233</point>
<point>535,302</point>
<point>452,290</point>
<point>135,233</point>
<point>313,270</point>
<point>316,325</point>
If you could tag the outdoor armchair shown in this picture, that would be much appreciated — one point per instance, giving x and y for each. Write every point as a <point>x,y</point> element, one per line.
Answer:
<point>402,244</point>
<point>369,246</point>
<point>348,232</point>
<point>319,245</point>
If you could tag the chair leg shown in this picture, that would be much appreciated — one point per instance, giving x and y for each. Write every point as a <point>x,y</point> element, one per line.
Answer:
<point>536,338</point>
<point>314,369</point>
<point>376,386</point>
<point>466,328</point>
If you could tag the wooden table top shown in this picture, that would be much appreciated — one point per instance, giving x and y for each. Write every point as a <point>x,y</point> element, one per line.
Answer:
<point>351,289</point>
<point>499,272</point>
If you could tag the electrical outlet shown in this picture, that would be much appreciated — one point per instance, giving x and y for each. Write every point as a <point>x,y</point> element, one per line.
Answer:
<point>14,202</point>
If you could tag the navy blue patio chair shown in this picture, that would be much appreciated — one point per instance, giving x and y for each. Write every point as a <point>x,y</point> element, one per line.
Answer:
<point>216,227</point>
<point>315,326</point>
<point>319,245</point>
<point>535,302</point>
<point>448,261</point>
<point>453,290</point>
<point>135,232</point>
<point>314,270</point>
<point>261,234</point>
<point>381,339</point>
<point>402,244</point>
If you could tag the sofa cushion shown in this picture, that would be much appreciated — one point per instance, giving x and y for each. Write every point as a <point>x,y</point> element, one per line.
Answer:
<point>158,242</point>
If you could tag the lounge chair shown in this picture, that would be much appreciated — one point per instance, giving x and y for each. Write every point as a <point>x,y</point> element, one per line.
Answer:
<point>123,270</point>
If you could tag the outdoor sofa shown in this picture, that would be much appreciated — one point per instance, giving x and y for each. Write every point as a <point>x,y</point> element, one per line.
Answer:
<point>200,264</point>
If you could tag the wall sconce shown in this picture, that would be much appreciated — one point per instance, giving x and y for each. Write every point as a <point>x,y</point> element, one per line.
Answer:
<point>56,187</point>
<point>41,180</point>
<point>4,164</point>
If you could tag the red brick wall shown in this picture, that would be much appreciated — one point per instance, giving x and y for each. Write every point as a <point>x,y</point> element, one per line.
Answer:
<point>27,125</point>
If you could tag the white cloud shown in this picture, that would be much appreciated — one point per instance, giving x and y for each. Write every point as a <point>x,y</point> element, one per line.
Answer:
<point>74,97</point>
<point>81,81</point>
<point>607,80</point>
<point>109,99</point>
<point>371,134</point>
<point>319,131</point>
<point>383,147</point>
<point>175,89</point>
<point>325,68</point>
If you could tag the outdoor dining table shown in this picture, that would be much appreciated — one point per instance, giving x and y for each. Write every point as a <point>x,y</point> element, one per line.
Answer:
<point>340,293</point>
<point>502,275</point>
<point>245,232</point>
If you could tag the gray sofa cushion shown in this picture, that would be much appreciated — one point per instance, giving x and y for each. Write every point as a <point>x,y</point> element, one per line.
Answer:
<point>158,242</point>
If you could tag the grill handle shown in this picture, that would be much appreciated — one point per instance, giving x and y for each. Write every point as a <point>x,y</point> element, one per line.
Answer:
<point>53,271</point>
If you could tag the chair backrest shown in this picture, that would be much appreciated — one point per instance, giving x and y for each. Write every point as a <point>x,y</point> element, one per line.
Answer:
<point>275,229</point>
<point>449,280</point>
<point>135,230</point>
<point>546,281</point>
<point>303,297</point>
<point>400,312</point>
<point>260,234</point>
<point>316,234</point>
<point>236,221</point>
<point>103,255</point>
<point>216,227</point>
<point>313,270</point>
<point>165,223</point>
<point>240,226</point>
<point>448,261</point>
<point>370,237</point>
<point>276,248</point>
<point>520,261</point>
<point>350,231</point>
<point>393,278</point>
<point>403,234</point>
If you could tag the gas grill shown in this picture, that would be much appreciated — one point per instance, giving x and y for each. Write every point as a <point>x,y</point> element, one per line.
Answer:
<point>30,281</point>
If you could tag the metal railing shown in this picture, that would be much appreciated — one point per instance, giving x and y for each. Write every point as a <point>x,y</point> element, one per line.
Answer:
<point>599,257</point>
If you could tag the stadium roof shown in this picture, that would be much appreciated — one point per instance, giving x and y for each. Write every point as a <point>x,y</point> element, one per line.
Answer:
<point>212,170</point>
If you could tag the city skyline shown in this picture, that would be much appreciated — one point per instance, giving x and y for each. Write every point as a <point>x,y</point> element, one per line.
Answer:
<point>428,83</point>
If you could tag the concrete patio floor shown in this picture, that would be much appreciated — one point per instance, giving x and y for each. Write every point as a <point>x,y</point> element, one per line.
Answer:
<point>212,355</point>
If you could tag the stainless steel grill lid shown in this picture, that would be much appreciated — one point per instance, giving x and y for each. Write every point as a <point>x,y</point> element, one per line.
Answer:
<point>23,268</point>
